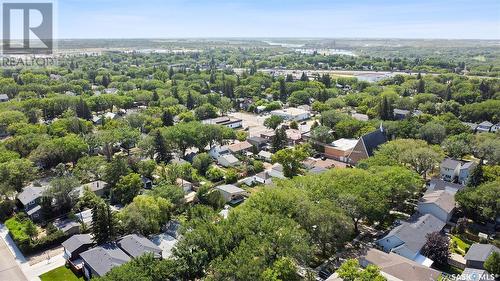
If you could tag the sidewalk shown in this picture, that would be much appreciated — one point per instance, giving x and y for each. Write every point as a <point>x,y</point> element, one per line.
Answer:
<point>30,271</point>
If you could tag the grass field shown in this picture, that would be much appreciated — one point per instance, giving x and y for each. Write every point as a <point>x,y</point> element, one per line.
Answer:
<point>60,274</point>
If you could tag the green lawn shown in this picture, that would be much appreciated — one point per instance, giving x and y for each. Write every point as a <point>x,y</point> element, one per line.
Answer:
<point>462,245</point>
<point>60,274</point>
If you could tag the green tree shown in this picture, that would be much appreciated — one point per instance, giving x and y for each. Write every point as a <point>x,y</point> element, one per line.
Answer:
<point>273,122</point>
<point>114,170</point>
<point>103,223</point>
<point>145,215</point>
<point>279,140</point>
<point>492,263</point>
<point>291,159</point>
<point>202,162</point>
<point>127,188</point>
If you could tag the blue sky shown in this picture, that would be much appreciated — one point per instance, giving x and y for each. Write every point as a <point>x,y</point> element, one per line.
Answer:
<point>471,19</point>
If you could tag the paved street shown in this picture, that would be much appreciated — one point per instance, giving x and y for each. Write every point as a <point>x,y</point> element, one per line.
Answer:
<point>9,268</point>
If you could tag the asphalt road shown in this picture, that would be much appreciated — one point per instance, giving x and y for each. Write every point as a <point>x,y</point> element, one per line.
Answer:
<point>9,269</point>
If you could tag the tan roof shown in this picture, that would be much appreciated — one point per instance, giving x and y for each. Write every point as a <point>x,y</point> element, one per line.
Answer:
<point>293,134</point>
<point>241,146</point>
<point>441,198</point>
<point>398,266</point>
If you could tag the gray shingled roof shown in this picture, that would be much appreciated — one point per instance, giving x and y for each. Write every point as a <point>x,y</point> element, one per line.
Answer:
<point>135,246</point>
<point>486,124</point>
<point>31,193</point>
<point>450,163</point>
<point>229,188</point>
<point>413,234</point>
<point>480,252</point>
<point>103,258</point>
<point>398,266</point>
<point>441,198</point>
<point>440,184</point>
<point>373,140</point>
<point>76,241</point>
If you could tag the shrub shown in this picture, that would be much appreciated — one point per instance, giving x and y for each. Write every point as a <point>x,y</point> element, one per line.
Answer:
<point>231,176</point>
<point>215,174</point>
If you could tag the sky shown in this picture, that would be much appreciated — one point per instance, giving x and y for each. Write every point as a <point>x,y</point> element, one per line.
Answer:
<point>449,19</point>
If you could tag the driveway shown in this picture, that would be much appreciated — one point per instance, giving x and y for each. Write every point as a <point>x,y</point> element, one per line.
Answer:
<point>9,268</point>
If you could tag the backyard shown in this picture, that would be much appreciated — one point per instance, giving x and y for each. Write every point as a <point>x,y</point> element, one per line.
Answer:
<point>60,274</point>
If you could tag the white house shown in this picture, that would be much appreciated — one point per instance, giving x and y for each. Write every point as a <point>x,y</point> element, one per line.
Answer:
<point>229,122</point>
<point>228,160</point>
<point>231,193</point>
<point>450,169</point>
<point>484,127</point>
<point>217,151</point>
<point>495,127</point>
<point>276,171</point>
<point>465,171</point>
<point>265,155</point>
<point>292,113</point>
<point>4,98</point>
<point>440,204</point>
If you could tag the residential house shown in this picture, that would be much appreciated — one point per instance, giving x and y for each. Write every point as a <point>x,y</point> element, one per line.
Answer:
<point>439,184</point>
<point>265,156</point>
<point>229,122</point>
<point>147,183</point>
<point>186,185</point>
<point>408,238</point>
<point>450,169</point>
<point>172,228</point>
<point>75,245</point>
<point>395,267</point>
<point>276,171</point>
<point>484,127</point>
<point>495,128</point>
<point>293,136</point>
<point>478,253</point>
<point>98,187</point>
<point>292,114</point>
<point>268,135</point>
<point>30,199</point>
<point>317,170</point>
<point>136,246</point>
<point>453,170</point>
<point>231,193</point>
<point>400,114</point>
<point>473,274</point>
<point>111,90</point>
<point>228,160</point>
<point>166,243</point>
<point>366,145</point>
<point>4,98</point>
<point>360,117</point>
<point>100,260</point>
<point>67,226</point>
<point>258,142</point>
<point>85,217</point>
<point>262,178</point>
<point>217,151</point>
<point>340,149</point>
<point>465,171</point>
<point>440,204</point>
<point>240,147</point>
<point>472,126</point>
